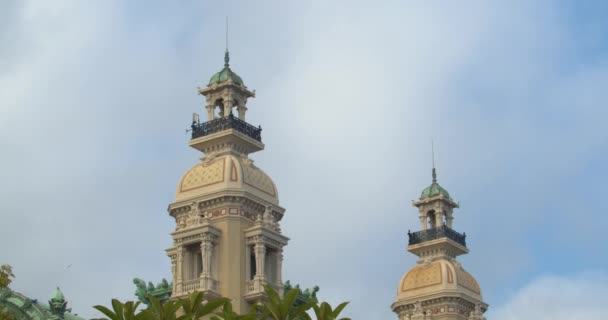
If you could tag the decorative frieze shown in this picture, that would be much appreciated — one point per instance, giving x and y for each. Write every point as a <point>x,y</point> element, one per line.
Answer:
<point>244,204</point>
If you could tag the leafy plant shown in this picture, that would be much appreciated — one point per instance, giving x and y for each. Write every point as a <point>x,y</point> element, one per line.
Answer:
<point>194,307</point>
<point>121,311</point>
<point>163,311</point>
<point>6,277</point>
<point>276,308</point>
<point>324,311</point>
<point>227,313</point>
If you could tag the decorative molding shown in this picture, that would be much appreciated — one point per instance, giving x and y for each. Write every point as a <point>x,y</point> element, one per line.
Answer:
<point>422,276</point>
<point>203,174</point>
<point>233,173</point>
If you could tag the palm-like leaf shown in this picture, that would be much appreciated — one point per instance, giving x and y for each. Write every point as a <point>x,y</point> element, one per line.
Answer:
<point>276,308</point>
<point>121,311</point>
<point>324,311</point>
<point>195,308</point>
<point>166,311</point>
<point>226,313</point>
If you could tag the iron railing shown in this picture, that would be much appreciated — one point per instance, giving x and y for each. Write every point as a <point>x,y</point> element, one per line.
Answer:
<point>436,233</point>
<point>225,123</point>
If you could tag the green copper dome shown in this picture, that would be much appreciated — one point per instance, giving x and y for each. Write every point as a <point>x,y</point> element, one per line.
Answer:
<point>25,308</point>
<point>226,74</point>
<point>434,189</point>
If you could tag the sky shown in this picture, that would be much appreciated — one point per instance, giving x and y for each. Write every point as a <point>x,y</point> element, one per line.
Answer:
<point>95,98</point>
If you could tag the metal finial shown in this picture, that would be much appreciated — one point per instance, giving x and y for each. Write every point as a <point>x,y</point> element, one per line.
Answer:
<point>433,152</point>
<point>226,55</point>
<point>433,157</point>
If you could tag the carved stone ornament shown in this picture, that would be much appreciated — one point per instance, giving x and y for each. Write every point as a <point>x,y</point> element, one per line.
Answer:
<point>477,313</point>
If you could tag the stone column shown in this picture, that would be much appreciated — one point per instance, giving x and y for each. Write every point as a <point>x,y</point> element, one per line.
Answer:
<point>228,103</point>
<point>449,218</point>
<point>260,256</point>
<point>241,108</point>
<point>206,255</point>
<point>422,221</point>
<point>210,112</point>
<point>279,276</point>
<point>179,275</point>
<point>174,271</point>
<point>206,281</point>
<point>438,218</point>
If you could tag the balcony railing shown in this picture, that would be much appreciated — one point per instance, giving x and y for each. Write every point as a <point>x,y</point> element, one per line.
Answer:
<point>256,285</point>
<point>191,285</point>
<point>225,123</point>
<point>437,233</point>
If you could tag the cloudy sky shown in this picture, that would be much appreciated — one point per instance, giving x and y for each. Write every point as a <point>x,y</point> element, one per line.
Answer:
<point>95,98</point>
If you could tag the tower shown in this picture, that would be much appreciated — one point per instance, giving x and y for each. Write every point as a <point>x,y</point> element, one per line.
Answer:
<point>438,287</point>
<point>58,305</point>
<point>227,240</point>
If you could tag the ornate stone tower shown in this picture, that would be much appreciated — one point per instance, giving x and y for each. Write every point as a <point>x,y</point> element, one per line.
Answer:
<point>227,241</point>
<point>438,288</point>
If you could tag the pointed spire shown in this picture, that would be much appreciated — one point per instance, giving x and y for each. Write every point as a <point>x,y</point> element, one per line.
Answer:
<point>433,157</point>
<point>58,295</point>
<point>226,59</point>
<point>227,54</point>
<point>58,305</point>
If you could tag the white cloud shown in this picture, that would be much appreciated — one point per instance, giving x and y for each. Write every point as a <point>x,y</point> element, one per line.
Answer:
<point>95,97</point>
<point>553,297</point>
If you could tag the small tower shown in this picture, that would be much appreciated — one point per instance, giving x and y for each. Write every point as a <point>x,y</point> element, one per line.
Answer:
<point>227,240</point>
<point>438,287</point>
<point>225,92</point>
<point>58,305</point>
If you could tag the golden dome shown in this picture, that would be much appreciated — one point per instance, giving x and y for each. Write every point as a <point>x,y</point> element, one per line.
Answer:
<point>226,173</point>
<point>440,276</point>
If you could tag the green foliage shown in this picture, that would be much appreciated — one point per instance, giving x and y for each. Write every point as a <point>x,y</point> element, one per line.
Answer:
<point>227,313</point>
<point>194,307</point>
<point>276,308</point>
<point>324,311</point>
<point>6,277</point>
<point>164,311</point>
<point>121,311</point>
<point>191,308</point>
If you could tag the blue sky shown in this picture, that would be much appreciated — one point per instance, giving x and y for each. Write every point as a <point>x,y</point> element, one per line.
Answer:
<point>95,98</point>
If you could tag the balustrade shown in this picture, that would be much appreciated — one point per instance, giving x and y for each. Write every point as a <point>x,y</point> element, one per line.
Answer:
<point>225,123</point>
<point>436,233</point>
<point>191,285</point>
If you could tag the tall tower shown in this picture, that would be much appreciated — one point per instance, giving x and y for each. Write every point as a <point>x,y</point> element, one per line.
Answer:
<point>227,240</point>
<point>438,287</point>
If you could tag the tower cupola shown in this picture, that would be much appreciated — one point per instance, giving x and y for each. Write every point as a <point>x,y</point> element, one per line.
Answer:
<point>226,129</point>
<point>434,189</point>
<point>227,240</point>
<point>226,74</point>
<point>438,287</point>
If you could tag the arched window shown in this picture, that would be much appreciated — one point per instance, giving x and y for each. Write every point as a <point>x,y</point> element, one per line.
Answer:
<point>431,219</point>
<point>218,109</point>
